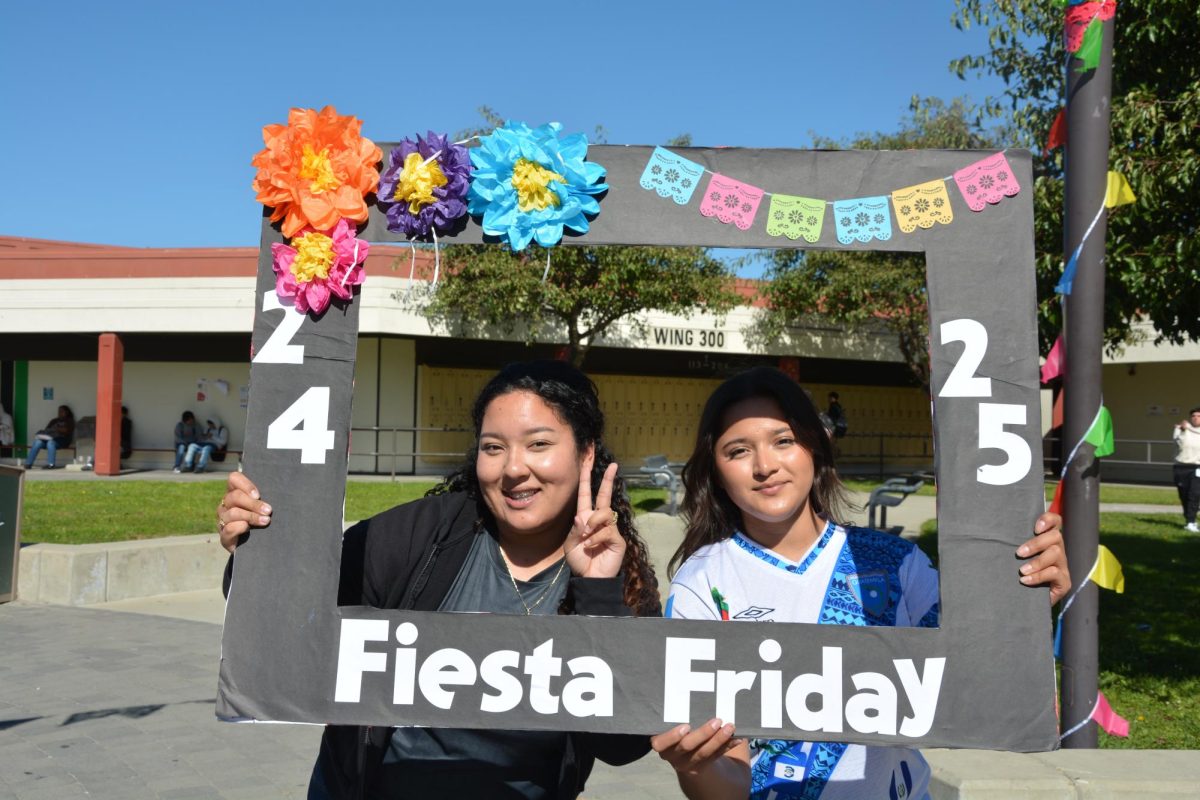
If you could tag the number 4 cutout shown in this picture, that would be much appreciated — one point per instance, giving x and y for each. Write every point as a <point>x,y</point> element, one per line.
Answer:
<point>304,427</point>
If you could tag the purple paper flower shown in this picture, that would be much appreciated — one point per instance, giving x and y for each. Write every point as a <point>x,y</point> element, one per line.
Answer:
<point>424,187</point>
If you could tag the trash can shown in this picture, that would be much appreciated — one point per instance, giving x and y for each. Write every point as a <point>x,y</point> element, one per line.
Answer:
<point>12,481</point>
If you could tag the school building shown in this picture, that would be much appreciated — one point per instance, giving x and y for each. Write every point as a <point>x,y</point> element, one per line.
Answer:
<point>183,317</point>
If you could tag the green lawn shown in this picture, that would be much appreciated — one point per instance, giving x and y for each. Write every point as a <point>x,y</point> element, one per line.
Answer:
<point>70,512</point>
<point>1109,492</point>
<point>1149,652</point>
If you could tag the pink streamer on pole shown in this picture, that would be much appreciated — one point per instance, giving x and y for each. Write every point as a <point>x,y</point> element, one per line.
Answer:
<point>1054,361</point>
<point>1112,722</point>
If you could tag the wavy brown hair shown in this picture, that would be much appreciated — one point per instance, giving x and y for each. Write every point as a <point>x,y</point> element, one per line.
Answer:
<point>576,402</point>
<point>707,510</point>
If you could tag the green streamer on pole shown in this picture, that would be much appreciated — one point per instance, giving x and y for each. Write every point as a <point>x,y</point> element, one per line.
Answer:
<point>1100,435</point>
<point>1089,52</point>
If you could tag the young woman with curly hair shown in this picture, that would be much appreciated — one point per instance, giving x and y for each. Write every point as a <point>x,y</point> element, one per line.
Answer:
<point>536,521</point>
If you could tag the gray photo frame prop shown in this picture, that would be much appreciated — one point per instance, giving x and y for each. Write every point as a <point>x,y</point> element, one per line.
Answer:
<point>983,679</point>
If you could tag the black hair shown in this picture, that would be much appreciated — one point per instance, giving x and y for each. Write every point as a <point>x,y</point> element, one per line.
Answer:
<point>708,512</point>
<point>574,399</point>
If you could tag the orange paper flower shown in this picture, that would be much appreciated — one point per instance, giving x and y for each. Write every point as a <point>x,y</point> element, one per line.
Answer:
<point>316,170</point>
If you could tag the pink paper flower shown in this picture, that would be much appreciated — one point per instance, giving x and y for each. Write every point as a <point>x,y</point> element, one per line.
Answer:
<point>318,266</point>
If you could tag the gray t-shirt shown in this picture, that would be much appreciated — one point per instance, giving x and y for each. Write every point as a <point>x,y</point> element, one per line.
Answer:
<point>453,762</point>
<point>483,584</point>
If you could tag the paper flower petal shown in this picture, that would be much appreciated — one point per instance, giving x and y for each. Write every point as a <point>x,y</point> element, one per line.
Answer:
<point>319,265</point>
<point>424,187</point>
<point>528,184</point>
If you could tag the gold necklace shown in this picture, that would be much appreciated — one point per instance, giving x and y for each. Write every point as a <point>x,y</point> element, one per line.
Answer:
<point>545,593</point>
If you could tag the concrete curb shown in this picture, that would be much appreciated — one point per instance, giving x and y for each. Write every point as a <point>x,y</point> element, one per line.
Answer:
<point>85,574</point>
<point>1064,774</point>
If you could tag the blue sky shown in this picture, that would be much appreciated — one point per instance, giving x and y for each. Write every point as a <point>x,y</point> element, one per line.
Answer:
<point>133,123</point>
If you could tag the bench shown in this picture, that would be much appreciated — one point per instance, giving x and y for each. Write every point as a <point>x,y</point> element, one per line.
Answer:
<point>892,493</point>
<point>665,475</point>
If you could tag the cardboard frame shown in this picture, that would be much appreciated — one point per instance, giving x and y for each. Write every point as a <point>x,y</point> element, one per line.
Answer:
<point>285,638</point>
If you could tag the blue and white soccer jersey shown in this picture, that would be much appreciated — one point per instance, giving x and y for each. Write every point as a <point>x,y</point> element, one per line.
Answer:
<point>849,577</point>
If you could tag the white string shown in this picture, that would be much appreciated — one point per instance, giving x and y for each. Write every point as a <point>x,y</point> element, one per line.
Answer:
<point>1095,220</point>
<point>1079,444</point>
<point>546,274</point>
<point>412,264</point>
<point>947,179</point>
<point>437,257</point>
<point>353,264</point>
<point>1085,721</point>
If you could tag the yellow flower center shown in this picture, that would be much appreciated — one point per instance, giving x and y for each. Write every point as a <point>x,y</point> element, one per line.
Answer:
<point>314,256</point>
<point>532,182</point>
<point>417,182</point>
<point>315,167</point>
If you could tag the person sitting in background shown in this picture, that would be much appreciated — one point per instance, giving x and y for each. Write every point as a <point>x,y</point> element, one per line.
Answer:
<point>126,434</point>
<point>7,434</point>
<point>215,437</point>
<point>58,433</point>
<point>185,434</point>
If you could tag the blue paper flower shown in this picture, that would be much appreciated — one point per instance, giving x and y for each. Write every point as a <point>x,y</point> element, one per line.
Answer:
<point>528,184</point>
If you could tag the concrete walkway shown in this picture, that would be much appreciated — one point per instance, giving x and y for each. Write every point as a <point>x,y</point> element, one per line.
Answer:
<point>116,701</point>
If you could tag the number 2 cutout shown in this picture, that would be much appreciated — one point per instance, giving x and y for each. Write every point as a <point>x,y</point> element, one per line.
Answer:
<point>278,349</point>
<point>963,382</point>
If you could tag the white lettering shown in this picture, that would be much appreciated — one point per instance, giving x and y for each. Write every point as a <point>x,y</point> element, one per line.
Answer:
<point>541,667</point>
<point>679,681</point>
<point>596,680</point>
<point>729,683</point>
<point>922,693</point>
<point>406,664</point>
<point>353,658</point>
<point>876,694</point>
<point>447,667</point>
<point>826,684</point>
<point>772,685</point>
<point>493,671</point>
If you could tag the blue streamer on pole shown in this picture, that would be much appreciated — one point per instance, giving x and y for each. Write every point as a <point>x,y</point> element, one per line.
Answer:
<point>1068,276</point>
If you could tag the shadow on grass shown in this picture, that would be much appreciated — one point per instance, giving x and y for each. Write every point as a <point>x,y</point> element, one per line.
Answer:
<point>1149,631</point>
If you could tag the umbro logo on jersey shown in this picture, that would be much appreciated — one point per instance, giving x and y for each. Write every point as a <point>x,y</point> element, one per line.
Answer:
<point>753,612</point>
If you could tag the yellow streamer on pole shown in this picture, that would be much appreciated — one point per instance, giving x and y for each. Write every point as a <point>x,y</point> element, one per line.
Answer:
<point>1119,192</point>
<point>1106,572</point>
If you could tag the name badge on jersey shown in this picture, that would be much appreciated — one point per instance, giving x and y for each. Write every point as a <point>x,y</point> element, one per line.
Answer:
<point>870,588</point>
<point>789,766</point>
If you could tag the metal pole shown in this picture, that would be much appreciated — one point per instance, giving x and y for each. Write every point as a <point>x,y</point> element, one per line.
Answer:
<point>1088,100</point>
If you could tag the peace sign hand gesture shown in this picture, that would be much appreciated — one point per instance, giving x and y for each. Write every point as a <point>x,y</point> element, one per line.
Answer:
<point>594,547</point>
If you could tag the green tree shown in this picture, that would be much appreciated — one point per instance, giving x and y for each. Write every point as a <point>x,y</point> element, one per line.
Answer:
<point>581,292</point>
<point>871,290</point>
<point>1153,255</point>
<point>586,291</point>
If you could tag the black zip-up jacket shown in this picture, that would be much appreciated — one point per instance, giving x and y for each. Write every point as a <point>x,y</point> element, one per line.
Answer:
<point>407,558</point>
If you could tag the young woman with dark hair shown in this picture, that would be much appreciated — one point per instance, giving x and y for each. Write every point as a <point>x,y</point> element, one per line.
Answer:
<point>763,542</point>
<point>536,521</point>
